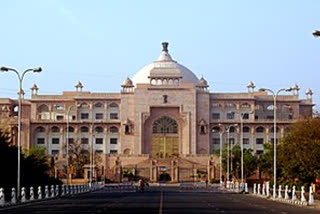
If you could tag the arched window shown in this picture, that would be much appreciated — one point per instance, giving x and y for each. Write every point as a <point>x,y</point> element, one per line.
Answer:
<point>270,107</point>
<point>84,129</point>
<point>98,105</point>
<point>99,129</point>
<point>246,129</point>
<point>113,105</point>
<point>232,129</point>
<point>84,105</point>
<point>272,129</point>
<point>70,129</point>
<point>260,129</point>
<point>164,125</point>
<point>40,129</point>
<point>55,129</point>
<point>43,108</point>
<point>127,129</point>
<point>114,129</point>
<point>245,105</point>
<point>215,129</point>
<point>126,151</point>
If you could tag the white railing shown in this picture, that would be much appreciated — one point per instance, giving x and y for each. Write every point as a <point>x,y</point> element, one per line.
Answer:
<point>45,193</point>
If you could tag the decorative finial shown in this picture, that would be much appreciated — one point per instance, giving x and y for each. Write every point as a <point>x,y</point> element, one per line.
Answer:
<point>165,46</point>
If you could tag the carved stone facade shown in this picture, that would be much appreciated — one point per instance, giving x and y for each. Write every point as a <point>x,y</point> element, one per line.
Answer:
<point>120,127</point>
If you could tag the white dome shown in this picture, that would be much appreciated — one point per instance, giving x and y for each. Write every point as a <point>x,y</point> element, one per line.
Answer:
<point>165,66</point>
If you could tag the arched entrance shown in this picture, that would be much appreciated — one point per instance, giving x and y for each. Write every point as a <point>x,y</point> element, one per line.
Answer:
<point>165,138</point>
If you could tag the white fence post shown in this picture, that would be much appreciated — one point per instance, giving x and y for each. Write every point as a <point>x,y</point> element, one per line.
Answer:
<point>31,194</point>
<point>311,196</point>
<point>268,188</point>
<point>2,199</point>
<point>286,195</point>
<point>303,197</point>
<point>279,193</point>
<point>46,191</point>
<point>254,188</point>
<point>13,196</point>
<point>294,197</point>
<point>39,192</point>
<point>23,195</point>
<point>259,189</point>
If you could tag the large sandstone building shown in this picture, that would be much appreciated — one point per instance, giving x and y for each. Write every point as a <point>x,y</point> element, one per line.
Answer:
<point>164,120</point>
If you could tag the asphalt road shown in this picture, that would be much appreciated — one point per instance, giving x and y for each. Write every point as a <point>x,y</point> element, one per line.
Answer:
<point>161,201</point>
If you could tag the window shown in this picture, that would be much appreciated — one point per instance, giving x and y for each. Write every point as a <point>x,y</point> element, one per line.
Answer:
<point>113,105</point>
<point>260,129</point>
<point>165,125</point>
<point>70,140</point>
<point>245,116</point>
<point>55,129</point>
<point>73,117</point>
<point>290,116</point>
<point>259,141</point>
<point>246,129</point>
<point>270,117</point>
<point>84,140</point>
<point>215,140</point>
<point>98,105</point>
<point>272,140</point>
<point>202,130</point>
<point>113,116</point>
<point>113,140</point>
<point>215,129</point>
<point>84,116</point>
<point>232,129</point>
<point>127,129</point>
<point>59,107</point>
<point>114,129</point>
<point>59,117</point>
<point>99,140</point>
<point>55,140</point>
<point>231,141</point>
<point>99,129</point>
<point>215,116</point>
<point>246,141</point>
<point>40,141</point>
<point>55,152</point>
<point>113,151</point>
<point>245,105</point>
<point>70,129</point>
<point>230,116</point>
<point>84,129</point>
<point>40,129</point>
<point>99,116</point>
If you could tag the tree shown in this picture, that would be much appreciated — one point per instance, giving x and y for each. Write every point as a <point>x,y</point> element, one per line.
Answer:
<point>249,161</point>
<point>299,152</point>
<point>78,157</point>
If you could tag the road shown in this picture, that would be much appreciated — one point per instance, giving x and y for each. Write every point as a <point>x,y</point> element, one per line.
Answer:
<point>164,200</point>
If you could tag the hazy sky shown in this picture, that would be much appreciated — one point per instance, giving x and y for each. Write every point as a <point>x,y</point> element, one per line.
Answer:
<point>100,43</point>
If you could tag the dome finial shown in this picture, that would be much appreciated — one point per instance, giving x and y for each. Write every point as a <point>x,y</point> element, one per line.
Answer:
<point>165,46</point>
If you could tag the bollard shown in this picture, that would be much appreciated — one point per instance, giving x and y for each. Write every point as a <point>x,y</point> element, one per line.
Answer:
<point>72,190</point>
<point>23,195</point>
<point>254,188</point>
<point>268,188</point>
<point>311,196</point>
<point>13,196</point>
<point>246,188</point>
<point>279,193</point>
<point>46,192</point>
<point>259,189</point>
<point>2,199</point>
<point>52,191</point>
<point>263,189</point>
<point>294,197</point>
<point>57,190</point>
<point>286,195</point>
<point>274,191</point>
<point>39,192</point>
<point>63,190</point>
<point>67,189</point>
<point>31,194</point>
<point>303,197</point>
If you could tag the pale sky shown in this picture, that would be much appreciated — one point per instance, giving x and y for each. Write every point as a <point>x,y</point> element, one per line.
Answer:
<point>100,43</point>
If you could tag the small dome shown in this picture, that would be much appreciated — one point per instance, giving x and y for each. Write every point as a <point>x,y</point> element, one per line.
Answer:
<point>202,82</point>
<point>295,87</point>
<point>309,92</point>
<point>251,85</point>
<point>127,83</point>
<point>34,87</point>
<point>164,66</point>
<point>79,85</point>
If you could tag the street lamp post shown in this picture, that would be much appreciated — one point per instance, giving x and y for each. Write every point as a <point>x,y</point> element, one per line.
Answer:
<point>20,78</point>
<point>67,140</point>
<point>220,139</point>
<point>228,148</point>
<point>274,95</point>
